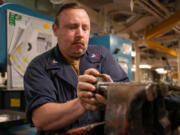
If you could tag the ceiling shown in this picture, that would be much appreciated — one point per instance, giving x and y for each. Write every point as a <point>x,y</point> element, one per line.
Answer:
<point>134,23</point>
<point>118,17</point>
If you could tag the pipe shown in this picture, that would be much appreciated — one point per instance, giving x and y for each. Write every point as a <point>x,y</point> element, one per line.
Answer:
<point>176,30</point>
<point>154,8</point>
<point>161,48</point>
<point>167,39</point>
<point>161,28</point>
<point>177,5</point>
<point>148,9</point>
<point>158,4</point>
<point>163,8</point>
<point>164,26</point>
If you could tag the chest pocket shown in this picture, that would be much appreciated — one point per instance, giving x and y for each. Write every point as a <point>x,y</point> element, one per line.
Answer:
<point>91,62</point>
<point>64,90</point>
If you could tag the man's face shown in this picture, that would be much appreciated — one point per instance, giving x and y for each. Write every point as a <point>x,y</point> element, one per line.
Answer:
<point>73,32</point>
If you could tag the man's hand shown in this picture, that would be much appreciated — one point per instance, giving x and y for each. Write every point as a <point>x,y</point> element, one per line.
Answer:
<point>85,90</point>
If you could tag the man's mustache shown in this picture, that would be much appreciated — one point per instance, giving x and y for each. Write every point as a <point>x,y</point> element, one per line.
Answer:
<point>79,41</point>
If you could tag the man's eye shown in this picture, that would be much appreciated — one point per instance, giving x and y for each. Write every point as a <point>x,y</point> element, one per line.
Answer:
<point>72,27</point>
<point>85,28</point>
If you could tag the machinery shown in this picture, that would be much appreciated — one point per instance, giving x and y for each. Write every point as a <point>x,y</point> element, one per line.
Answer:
<point>133,109</point>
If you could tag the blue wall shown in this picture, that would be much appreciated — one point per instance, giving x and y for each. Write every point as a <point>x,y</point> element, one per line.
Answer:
<point>113,43</point>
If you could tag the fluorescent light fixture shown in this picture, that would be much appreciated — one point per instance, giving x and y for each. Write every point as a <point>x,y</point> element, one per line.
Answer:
<point>145,66</point>
<point>133,53</point>
<point>161,71</point>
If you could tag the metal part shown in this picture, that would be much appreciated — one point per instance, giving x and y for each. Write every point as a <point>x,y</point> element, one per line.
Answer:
<point>92,129</point>
<point>132,109</point>
<point>101,85</point>
<point>136,109</point>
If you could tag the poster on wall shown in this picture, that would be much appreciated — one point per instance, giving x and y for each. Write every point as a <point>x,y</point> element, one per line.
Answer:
<point>27,37</point>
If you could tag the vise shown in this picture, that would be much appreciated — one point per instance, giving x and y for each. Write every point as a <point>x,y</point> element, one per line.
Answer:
<point>132,109</point>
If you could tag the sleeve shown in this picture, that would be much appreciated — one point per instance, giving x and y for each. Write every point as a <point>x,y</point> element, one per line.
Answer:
<point>39,89</point>
<point>111,67</point>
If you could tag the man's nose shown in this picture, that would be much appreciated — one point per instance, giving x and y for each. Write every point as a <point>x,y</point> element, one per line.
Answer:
<point>79,32</point>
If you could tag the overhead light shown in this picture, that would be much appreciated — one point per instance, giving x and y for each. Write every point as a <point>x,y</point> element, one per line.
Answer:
<point>143,66</point>
<point>161,71</point>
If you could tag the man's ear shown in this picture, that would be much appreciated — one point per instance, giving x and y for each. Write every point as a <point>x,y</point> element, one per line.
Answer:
<point>55,28</point>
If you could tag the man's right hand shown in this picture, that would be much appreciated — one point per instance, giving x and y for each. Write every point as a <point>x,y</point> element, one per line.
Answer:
<point>85,90</point>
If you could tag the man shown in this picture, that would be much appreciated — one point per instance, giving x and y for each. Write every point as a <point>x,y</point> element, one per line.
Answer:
<point>59,83</point>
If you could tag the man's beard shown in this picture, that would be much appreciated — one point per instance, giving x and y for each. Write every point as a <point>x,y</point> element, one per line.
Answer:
<point>77,55</point>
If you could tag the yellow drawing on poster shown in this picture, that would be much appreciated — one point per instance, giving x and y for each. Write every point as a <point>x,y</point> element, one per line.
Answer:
<point>46,26</point>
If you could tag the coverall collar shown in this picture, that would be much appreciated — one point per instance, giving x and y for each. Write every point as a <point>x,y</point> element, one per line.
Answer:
<point>57,63</point>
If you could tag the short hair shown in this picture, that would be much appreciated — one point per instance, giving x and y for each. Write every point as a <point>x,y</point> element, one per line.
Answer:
<point>66,6</point>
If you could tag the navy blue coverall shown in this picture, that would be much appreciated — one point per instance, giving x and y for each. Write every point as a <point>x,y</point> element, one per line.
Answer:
<point>49,78</point>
